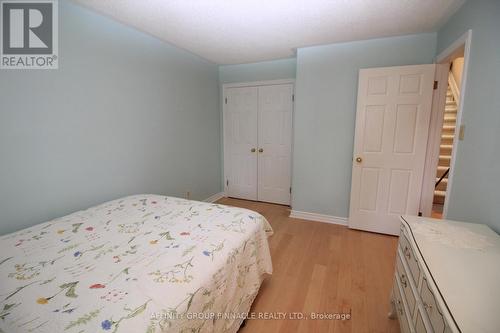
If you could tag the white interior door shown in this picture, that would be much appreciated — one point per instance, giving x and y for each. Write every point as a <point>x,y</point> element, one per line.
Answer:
<point>274,138</point>
<point>392,123</point>
<point>240,156</point>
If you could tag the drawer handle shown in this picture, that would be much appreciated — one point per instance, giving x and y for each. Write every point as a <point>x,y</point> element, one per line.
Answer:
<point>427,306</point>
<point>400,307</point>
<point>407,253</point>
<point>402,278</point>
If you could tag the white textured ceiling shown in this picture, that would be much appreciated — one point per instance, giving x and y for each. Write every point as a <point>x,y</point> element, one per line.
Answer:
<point>243,31</point>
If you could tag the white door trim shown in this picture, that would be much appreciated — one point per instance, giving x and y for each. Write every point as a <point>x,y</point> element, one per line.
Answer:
<point>434,139</point>
<point>255,83</point>
<point>445,57</point>
<point>225,86</point>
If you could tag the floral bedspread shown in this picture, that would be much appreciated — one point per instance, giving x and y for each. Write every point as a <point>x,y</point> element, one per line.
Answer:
<point>143,263</point>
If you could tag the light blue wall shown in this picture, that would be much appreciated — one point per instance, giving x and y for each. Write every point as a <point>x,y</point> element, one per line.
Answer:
<point>475,194</point>
<point>260,71</point>
<point>325,112</point>
<point>124,114</point>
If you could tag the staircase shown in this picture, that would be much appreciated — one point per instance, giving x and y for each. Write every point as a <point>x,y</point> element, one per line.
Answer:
<point>446,145</point>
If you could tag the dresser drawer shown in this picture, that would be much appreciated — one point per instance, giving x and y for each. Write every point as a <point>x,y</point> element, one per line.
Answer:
<point>419,325</point>
<point>402,276</point>
<point>409,256</point>
<point>434,313</point>
<point>400,309</point>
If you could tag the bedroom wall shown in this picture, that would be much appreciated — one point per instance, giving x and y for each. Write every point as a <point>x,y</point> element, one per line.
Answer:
<point>476,184</point>
<point>259,71</point>
<point>325,111</point>
<point>125,113</point>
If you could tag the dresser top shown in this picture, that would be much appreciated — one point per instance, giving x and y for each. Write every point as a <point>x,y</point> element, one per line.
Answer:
<point>464,261</point>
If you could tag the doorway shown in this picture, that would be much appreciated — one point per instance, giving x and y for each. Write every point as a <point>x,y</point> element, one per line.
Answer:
<point>448,132</point>
<point>382,186</point>
<point>446,128</point>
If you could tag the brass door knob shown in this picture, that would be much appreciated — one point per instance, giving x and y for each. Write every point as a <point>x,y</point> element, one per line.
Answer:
<point>359,159</point>
<point>261,150</point>
<point>252,150</point>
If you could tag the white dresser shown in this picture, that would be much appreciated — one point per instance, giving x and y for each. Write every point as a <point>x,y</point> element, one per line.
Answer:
<point>447,277</point>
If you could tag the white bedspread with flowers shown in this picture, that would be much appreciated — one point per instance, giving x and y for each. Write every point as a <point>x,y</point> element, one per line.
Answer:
<point>144,263</point>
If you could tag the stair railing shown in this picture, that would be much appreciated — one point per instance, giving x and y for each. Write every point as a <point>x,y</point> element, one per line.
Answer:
<point>442,177</point>
<point>455,91</point>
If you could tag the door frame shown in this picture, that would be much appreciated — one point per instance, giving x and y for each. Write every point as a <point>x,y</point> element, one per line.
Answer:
<point>226,86</point>
<point>432,156</point>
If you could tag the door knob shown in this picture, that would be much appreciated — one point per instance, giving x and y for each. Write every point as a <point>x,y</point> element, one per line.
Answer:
<point>261,150</point>
<point>252,150</point>
<point>359,159</point>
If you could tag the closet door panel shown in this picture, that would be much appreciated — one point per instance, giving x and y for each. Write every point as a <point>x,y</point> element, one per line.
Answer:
<point>274,142</point>
<point>240,128</point>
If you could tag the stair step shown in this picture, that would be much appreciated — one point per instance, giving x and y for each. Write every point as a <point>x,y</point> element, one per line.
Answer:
<point>449,127</point>
<point>445,157</point>
<point>442,168</point>
<point>448,139</point>
<point>450,108</point>
<point>439,193</point>
<point>444,146</point>
<point>444,180</point>
<point>450,117</point>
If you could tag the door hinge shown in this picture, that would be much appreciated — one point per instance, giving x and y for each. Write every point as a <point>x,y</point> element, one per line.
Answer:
<point>435,85</point>
<point>293,97</point>
<point>290,190</point>
<point>226,100</point>
<point>227,182</point>
<point>420,214</point>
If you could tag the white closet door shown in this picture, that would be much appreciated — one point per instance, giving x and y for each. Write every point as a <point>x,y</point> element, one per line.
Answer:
<point>392,123</point>
<point>241,142</point>
<point>275,133</point>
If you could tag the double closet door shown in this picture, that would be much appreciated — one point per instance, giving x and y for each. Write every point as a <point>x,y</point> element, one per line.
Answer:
<point>257,142</point>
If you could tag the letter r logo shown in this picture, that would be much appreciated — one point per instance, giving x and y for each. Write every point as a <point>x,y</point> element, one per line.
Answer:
<point>27,27</point>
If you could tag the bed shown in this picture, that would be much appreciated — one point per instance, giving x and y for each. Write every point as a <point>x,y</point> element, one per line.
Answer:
<point>143,263</point>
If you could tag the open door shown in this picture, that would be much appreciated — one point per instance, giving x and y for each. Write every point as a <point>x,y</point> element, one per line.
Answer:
<point>392,124</point>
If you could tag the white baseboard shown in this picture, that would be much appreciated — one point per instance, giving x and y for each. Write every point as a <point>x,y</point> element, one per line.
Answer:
<point>215,197</point>
<point>318,217</point>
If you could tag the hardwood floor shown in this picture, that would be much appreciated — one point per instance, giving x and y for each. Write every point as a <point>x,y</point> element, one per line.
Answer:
<point>323,268</point>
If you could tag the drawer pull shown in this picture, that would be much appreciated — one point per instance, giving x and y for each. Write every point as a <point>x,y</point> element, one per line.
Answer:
<point>407,253</point>
<point>403,280</point>
<point>427,306</point>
